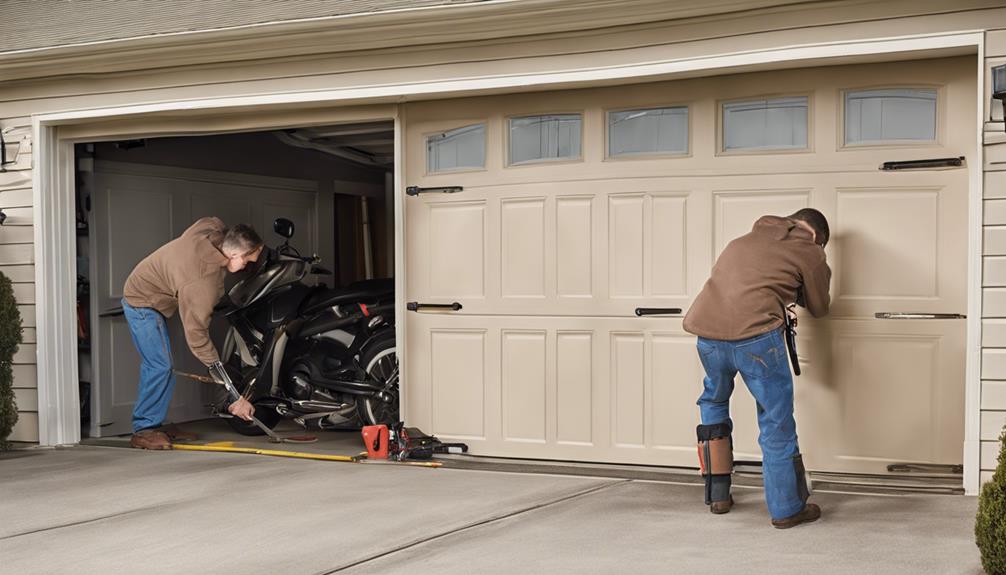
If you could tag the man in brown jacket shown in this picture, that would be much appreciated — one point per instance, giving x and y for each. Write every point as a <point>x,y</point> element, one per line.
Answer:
<point>738,318</point>
<point>187,275</point>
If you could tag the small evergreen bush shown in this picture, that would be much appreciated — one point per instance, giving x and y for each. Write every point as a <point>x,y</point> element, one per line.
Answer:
<point>10,338</point>
<point>990,524</point>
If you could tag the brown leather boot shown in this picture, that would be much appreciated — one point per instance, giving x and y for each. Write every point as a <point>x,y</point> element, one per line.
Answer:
<point>721,507</point>
<point>174,433</point>
<point>150,439</point>
<point>811,512</point>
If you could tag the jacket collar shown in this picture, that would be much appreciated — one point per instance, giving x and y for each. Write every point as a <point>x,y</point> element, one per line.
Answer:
<point>779,228</point>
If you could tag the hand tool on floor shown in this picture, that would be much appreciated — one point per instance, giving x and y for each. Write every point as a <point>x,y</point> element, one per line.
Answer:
<point>233,393</point>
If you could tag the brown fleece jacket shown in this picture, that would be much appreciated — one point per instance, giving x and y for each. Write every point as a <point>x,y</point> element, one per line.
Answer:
<point>755,277</point>
<point>186,274</point>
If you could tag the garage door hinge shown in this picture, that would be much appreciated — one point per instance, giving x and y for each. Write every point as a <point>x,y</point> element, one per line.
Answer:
<point>416,190</point>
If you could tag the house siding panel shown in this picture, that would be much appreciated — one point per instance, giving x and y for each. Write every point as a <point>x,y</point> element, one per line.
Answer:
<point>994,395</point>
<point>993,368</point>
<point>994,271</point>
<point>17,254</point>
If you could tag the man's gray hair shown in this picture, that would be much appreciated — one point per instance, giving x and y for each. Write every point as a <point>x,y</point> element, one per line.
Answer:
<point>241,237</point>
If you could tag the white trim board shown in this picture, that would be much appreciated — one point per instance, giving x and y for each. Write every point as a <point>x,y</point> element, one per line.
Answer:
<point>644,71</point>
<point>57,410</point>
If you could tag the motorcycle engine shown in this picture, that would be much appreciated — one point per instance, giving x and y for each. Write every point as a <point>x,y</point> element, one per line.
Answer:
<point>340,407</point>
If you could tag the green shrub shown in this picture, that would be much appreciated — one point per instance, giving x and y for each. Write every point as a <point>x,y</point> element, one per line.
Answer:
<point>990,524</point>
<point>10,338</point>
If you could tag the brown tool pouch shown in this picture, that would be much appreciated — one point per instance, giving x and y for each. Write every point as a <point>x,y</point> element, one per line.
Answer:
<point>716,457</point>
<point>716,460</point>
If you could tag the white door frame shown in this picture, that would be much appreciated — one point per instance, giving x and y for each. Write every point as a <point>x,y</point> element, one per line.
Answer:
<point>54,222</point>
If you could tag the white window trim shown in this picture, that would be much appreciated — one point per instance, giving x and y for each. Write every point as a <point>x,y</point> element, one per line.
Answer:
<point>54,234</point>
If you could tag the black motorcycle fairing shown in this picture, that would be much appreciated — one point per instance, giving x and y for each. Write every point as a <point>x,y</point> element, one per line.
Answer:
<point>277,307</point>
<point>272,274</point>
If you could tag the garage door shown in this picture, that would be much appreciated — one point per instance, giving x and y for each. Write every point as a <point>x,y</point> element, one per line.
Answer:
<point>578,207</point>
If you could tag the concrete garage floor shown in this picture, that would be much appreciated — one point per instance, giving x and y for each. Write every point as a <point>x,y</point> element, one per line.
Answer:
<point>90,509</point>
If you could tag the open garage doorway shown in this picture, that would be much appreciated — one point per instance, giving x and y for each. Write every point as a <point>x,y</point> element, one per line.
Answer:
<point>334,183</point>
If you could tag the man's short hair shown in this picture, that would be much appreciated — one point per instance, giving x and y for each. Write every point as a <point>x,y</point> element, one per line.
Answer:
<point>817,221</point>
<point>241,237</point>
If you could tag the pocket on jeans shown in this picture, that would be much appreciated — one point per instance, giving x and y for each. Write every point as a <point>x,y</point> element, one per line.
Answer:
<point>764,356</point>
<point>707,350</point>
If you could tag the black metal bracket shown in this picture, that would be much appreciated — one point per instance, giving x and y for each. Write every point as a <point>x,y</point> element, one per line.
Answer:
<point>641,311</point>
<point>416,306</point>
<point>416,190</point>
<point>3,153</point>
<point>923,164</point>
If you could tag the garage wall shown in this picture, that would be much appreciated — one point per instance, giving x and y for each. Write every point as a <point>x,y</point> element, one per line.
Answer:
<point>17,258</point>
<point>993,372</point>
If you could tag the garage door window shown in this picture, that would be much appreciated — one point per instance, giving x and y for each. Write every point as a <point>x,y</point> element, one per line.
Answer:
<point>545,138</point>
<point>654,131</point>
<point>463,148</point>
<point>769,124</point>
<point>890,116</point>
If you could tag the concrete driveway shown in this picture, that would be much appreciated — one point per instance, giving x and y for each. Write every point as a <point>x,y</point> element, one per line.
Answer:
<point>90,509</point>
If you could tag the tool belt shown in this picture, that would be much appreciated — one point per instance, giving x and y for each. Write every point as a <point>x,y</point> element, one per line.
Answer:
<point>789,313</point>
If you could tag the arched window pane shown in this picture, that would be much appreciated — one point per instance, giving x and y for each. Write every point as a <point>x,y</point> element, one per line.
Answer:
<point>457,149</point>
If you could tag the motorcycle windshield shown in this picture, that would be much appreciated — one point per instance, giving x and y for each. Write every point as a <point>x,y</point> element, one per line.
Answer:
<point>273,275</point>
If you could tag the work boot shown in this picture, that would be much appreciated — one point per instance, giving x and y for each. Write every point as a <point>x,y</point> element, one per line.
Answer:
<point>721,507</point>
<point>811,512</point>
<point>174,433</point>
<point>150,439</point>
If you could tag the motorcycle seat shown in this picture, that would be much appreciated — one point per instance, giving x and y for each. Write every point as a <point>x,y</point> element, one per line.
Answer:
<point>369,291</point>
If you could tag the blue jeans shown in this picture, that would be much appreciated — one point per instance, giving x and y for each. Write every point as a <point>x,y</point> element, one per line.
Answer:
<point>157,379</point>
<point>764,364</point>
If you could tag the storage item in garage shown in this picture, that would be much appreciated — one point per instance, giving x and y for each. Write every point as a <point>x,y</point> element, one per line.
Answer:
<point>411,443</point>
<point>375,437</point>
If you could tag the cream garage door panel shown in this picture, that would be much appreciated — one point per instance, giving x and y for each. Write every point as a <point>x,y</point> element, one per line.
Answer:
<point>622,389</point>
<point>551,260</point>
<point>899,243</point>
<point>875,392</point>
<point>554,249</point>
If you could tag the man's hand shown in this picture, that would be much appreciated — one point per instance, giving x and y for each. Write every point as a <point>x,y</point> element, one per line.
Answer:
<point>242,408</point>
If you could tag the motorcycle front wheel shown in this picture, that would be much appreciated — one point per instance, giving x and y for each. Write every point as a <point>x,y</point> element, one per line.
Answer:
<point>380,360</point>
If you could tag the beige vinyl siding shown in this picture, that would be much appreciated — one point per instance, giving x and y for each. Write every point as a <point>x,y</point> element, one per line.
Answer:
<point>993,366</point>
<point>17,255</point>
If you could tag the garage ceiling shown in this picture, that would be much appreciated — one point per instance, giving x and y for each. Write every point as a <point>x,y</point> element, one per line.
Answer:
<point>366,144</point>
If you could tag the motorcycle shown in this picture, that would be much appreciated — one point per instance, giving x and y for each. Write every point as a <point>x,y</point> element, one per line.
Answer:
<point>323,357</point>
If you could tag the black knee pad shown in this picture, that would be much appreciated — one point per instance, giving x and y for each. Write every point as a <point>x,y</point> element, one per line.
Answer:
<point>801,478</point>
<point>716,460</point>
